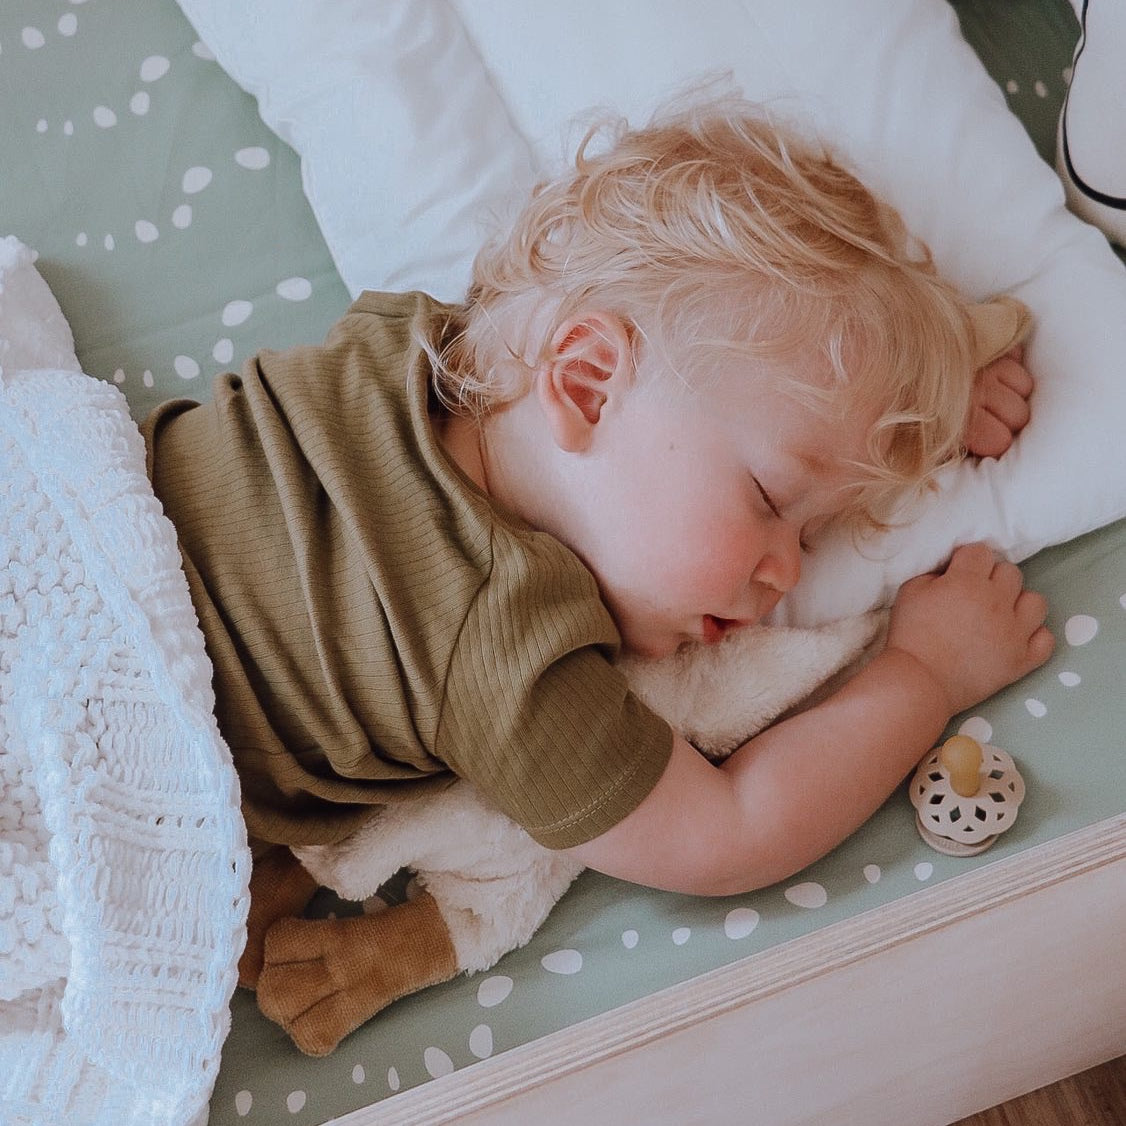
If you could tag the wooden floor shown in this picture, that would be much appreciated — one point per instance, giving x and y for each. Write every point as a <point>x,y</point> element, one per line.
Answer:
<point>1092,1098</point>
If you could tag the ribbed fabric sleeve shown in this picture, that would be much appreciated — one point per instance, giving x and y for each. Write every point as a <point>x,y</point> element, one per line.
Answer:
<point>373,622</point>
<point>532,651</point>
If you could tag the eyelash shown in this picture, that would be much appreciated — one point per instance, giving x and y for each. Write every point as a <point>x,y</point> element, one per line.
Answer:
<point>766,497</point>
<point>803,544</point>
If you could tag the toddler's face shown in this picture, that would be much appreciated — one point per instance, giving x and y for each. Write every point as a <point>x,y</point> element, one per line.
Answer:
<point>700,502</point>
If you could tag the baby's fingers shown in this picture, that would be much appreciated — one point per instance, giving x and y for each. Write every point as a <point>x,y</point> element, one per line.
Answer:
<point>1041,645</point>
<point>999,406</point>
<point>972,559</point>
<point>1032,607</point>
<point>1032,612</point>
<point>987,435</point>
<point>1008,581</point>
<point>1006,406</point>
<point>1013,373</point>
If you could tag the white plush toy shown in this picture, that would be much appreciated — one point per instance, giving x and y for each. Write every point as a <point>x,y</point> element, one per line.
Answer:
<point>1091,151</point>
<point>487,886</point>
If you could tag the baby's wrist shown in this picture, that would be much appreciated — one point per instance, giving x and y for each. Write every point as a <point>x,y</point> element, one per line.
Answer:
<point>922,680</point>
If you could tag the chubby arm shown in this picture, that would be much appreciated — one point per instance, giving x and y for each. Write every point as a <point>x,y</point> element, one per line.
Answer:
<point>798,789</point>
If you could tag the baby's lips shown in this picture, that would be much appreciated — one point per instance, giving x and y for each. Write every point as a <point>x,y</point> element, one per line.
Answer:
<point>716,629</point>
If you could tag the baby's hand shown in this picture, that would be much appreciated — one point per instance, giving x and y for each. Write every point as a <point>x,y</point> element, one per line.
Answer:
<point>999,407</point>
<point>974,626</point>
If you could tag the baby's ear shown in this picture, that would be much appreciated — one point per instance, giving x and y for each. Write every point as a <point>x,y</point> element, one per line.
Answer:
<point>590,366</point>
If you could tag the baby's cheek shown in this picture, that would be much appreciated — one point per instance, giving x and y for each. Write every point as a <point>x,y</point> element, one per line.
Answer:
<point>725,567</point>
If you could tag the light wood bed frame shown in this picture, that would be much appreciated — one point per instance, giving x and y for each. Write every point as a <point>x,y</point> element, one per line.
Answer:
<point>918,1013</point>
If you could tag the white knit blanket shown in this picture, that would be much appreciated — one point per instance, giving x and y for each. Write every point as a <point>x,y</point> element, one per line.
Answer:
<point>123,859</point>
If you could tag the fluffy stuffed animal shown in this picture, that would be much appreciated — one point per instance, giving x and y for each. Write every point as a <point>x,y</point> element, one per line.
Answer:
<point>1091,150</point>
<point>487,886</point>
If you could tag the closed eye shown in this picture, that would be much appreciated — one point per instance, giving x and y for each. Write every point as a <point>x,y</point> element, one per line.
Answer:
<point>803,543</point>
<point>766,497</point>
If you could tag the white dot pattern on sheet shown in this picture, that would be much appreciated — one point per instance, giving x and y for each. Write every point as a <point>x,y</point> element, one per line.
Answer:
<point>562,962</point>
<point>809,895</point>
<point>493,990</point>
<point>481,1041</point>
<point>195,179</point>
<point>130,226</point>
<point>437,1062</point>
<point>154,68</point>
<point>236,312</point>
<point>977,728</point>
<point>1080,629</point>
<point>740,922</point>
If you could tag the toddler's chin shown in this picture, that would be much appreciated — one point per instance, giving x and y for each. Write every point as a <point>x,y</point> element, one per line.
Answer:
<point>652,648</point>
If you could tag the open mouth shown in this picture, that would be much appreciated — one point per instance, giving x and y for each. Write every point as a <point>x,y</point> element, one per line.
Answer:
<point>716,629</point>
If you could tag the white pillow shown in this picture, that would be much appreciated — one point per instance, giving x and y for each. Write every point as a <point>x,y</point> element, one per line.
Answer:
<point>34,334</point>
<point>403,139</point>
<point>414,126</point>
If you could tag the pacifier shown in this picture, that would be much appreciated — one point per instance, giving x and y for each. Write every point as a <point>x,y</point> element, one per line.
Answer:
<point>965,796</point>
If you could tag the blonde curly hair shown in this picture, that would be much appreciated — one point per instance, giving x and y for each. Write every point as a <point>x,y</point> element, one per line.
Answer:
<point>658,224</point>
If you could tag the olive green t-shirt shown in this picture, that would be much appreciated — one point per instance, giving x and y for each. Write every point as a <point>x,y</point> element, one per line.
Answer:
<point>376,625</point>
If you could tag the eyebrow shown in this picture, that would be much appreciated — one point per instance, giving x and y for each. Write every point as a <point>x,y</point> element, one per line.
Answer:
<point>815,463</point>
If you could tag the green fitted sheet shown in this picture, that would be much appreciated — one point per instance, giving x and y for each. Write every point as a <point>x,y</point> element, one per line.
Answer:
<point>170,222</point>
<point>172,228</point>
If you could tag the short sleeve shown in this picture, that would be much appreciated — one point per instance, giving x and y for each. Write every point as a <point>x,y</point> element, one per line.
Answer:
<point>535,713</point>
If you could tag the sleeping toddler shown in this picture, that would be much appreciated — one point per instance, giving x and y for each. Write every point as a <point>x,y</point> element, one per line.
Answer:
<point>416,549</point>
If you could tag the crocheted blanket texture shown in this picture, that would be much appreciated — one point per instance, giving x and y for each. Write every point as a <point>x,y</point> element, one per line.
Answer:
<point>123,860</point>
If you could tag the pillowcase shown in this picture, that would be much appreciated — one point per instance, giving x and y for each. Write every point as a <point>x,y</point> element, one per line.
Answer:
<point>34,334</point>
<point>404,140</point>
<point>418,121</point>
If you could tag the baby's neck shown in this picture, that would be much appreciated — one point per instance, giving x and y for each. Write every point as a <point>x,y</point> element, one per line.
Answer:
<point>460,437</point>
<point>508,455</point>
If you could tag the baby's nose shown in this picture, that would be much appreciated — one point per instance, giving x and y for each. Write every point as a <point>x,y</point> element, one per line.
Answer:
<point>780,565</point>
